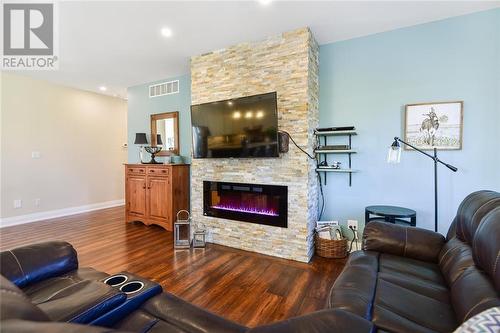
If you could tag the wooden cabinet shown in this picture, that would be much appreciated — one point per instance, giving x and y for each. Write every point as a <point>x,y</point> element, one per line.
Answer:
<point>155,193</point>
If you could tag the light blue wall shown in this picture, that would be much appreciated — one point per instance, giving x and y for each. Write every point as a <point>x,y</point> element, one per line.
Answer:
<point>367,81</point>
<point>140,107</point>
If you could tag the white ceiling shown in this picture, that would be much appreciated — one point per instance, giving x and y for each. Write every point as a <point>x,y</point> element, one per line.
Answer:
<point>118,44</point>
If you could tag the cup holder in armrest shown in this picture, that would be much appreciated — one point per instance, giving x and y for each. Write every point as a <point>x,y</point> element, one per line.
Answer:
<point>116,280</point>
<point>132,287</point>
<point>137,289</point>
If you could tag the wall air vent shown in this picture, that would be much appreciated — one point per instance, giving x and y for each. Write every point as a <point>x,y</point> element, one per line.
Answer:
<point>164,88</point>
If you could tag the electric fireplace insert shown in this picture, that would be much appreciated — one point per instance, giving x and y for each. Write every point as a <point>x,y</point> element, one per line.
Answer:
<point>254,203</point>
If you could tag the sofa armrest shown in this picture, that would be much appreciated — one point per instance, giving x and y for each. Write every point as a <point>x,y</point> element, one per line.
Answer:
<point>32,263</point>
<point>405,241</point>
<point>324,321</point>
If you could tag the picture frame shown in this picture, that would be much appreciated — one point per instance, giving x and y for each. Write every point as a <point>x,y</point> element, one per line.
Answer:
<point>434,125</point>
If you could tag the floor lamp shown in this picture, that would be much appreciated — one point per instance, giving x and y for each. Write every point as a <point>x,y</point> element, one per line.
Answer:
<point>394,156</point>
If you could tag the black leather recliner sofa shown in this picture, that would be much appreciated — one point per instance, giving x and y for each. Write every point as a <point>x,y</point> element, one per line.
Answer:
<point>405,280</point>
<point>408,279</point>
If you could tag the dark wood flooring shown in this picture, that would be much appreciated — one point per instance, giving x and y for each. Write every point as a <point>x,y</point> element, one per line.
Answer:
<point>246,287</point>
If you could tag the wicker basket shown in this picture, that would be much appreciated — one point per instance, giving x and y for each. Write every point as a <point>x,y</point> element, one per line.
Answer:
<point>330,248</point>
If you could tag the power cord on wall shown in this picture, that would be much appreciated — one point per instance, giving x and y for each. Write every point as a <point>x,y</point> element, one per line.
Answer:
<point>317,173</point>
<point>354,238</point>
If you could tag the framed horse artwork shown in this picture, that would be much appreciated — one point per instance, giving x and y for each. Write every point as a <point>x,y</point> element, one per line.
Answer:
<point>434,125</point>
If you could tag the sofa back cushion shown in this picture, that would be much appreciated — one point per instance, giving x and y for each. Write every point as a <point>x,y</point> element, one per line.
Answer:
<point>471,212</point>
<point>32,263</point>
<point>486,246</point>
<point>468,261</point>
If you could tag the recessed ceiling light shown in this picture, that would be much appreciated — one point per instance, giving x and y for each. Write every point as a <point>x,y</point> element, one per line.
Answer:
<point>166,32</point>
<point>103,88</point>
<point>265,2</point>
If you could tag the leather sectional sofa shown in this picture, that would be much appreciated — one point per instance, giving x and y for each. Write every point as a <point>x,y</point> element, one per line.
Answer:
<point>406,279</point>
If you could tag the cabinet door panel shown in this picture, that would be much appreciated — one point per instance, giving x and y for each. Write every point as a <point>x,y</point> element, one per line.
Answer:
<point>158,198</point>
<point>136,195</point>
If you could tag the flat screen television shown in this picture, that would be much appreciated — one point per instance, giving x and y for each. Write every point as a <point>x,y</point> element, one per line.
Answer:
<point>240,127</point>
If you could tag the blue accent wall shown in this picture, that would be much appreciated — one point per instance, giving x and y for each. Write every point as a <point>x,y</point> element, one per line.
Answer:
<point>367,81</point>
<point>140,107</point>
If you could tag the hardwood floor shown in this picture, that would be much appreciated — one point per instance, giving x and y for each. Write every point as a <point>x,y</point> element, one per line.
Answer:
<point>246,287</point>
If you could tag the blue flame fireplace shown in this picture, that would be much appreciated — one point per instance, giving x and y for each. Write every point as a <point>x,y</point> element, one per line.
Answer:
<point>254,203</point>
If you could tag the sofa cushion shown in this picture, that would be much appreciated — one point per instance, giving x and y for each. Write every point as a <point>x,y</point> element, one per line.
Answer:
<point>400,309</point>
<point>80,302</point>
<point>432,289</point>
<point>41,289</point>
<point>411,268</point>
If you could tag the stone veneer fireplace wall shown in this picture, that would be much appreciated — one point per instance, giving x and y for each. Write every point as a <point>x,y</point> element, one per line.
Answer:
<point>287,64</point>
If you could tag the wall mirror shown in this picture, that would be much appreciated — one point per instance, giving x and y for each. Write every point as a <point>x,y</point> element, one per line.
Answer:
<point>166,125</point>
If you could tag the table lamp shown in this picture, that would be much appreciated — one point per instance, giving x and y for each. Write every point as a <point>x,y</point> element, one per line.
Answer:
<point>141,140</point>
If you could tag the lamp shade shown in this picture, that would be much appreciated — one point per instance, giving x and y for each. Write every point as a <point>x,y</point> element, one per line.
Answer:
<point>158,140</point>
<point>140,139</point>
<point>394,153</point>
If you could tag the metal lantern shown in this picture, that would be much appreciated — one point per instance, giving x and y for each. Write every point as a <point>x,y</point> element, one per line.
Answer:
<point>182,231</point>
<point>199,236</point>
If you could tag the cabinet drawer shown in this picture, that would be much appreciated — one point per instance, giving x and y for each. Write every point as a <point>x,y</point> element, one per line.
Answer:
<point>136,170</point>
<point>158,171</point>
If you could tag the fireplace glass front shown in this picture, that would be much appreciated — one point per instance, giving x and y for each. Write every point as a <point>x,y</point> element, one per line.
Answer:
<point>255,203</point>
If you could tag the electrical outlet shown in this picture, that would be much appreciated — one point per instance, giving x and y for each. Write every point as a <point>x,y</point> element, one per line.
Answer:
<point>35,154</point>
<point>353,224</point>
<point>18,203</point>
<point>37,202</point>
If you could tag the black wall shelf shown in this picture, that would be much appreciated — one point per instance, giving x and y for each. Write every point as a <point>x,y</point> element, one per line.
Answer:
<point>321,154</point>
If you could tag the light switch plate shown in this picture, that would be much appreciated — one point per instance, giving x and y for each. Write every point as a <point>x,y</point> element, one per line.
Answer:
<point>18,203</point>
<point>35,154</point>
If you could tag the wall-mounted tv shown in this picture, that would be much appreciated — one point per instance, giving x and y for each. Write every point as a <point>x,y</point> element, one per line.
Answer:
<point>240,127</point>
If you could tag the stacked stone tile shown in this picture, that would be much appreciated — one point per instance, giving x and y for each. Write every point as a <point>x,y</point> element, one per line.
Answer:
<point>287,64</point>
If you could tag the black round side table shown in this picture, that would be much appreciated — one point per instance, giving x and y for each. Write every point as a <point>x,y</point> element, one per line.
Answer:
<point>391,214</point>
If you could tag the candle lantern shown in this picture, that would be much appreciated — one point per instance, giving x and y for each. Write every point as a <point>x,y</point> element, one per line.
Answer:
<point>199,236</point>
<point>182,230</point>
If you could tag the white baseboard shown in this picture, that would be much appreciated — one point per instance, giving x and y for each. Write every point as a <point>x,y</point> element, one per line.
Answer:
<point>22,219</point>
